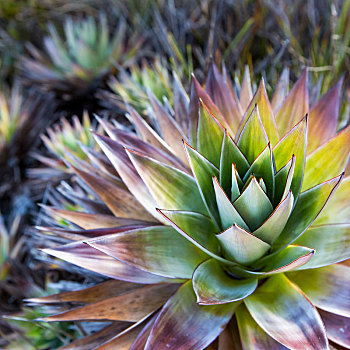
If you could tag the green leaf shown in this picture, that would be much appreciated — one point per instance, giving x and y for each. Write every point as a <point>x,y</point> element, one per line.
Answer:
<point>253,205</point>
<point>328,160</point>
<point>170,187</point>
<point>274,225</point>
<point>283,180</point>
<point>204,171</point>
<point>198,229</point>
<point>286,315</point>
<point>261,100</point>
<point>309,205</point>
<point>241,246</point>
<point>295,106</point>
<point>287,259</point>
<point>327,287</point>
<point>337,210</point>
<point>293,143</point>
<point>228,214</point>
<point>331,242</point>
<point>213,285</point>
<point>158,249</point>
<point>231,154</point>
<point>182,323</point>
<point>237,183</point>
<point>253,139</point>
<point>210,137</point>
<point>252,335</point>
<point>264,167</point>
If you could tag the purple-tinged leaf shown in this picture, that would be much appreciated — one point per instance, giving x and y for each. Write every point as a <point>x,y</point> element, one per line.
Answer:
<point>222,97</point>
<point>131,306</point>
<point>158,249</point>
<point>118,157</point>
<point>252,335</point>
<point>328,287</point>
<point>81,254</point>
<point>324,118</point>
<point>337,327</point>
<point>284,313</point>
<point>281,90</point>
<point>295,106</point>
<point>182,324</point>
<point>246,93</point>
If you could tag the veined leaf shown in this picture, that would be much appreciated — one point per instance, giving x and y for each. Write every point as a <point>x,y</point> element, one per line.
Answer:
<point>183,324</point>
<point>131,306</point>
<point>158,249</point>
<point>284,313</point>
<point>253,138</point>
<point>241,246</point>
<point>213,285</point>
<point>89,258</point>
<point>327,287</point>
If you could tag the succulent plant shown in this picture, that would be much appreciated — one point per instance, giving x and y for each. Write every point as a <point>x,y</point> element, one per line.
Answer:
<point>226,229</point>
<point>75,64</point>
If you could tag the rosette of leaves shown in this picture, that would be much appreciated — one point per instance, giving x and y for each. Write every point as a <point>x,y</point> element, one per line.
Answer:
<point>74,64</point>
<point>65,141</point>
<point>131,87</point>
<point>228,230</point>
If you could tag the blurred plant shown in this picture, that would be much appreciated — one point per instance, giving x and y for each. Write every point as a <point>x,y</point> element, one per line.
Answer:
<point>132,87</point>
<point>242,229</point>
<point>76,64</point>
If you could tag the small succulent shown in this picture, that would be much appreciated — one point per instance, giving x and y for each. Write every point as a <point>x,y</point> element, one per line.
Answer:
<point>75,64</point>
<point>131,87</point>
<point>226,229</point>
